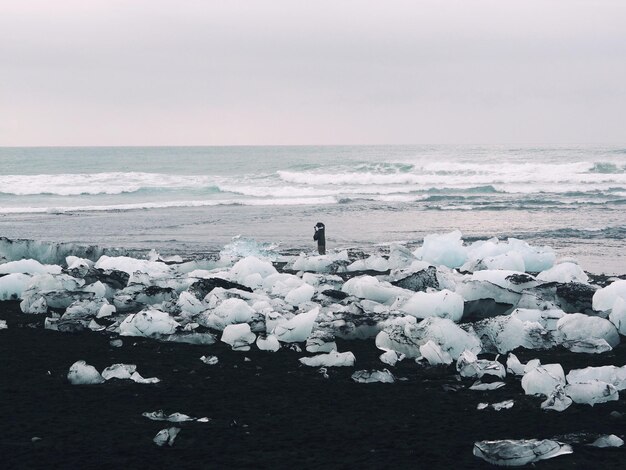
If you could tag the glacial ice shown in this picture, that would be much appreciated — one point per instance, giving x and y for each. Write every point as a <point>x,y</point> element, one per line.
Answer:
<point>251,271</point>
<point>166,436</point>
<point>617,315</point>
<point>557,400</point>
<point>515,453</point>
<point>238,336</point>
<point>369,287</point>
<point>28,266</point>
<point>332,262</point>
<point>155,269</point>
<point>331,359</point>
<point>300,295</point>
<point>119,371</point>
<point>563,272</point>
<point>371,376</point>
<point>610,374</point>
<point>321,341</point>
<point>444,304</point>
<point>149,323</point>
<point>433,353</point>
<point>468,365</point>
<point>446,249</point>
<point>605,298</point>
<point>81,373</point>
<point>228,312</point>
<point>608,441</point>
<point>13,285</point>
<point>373,263</point>
<point>391,357</point>
<point>591,392</point>
<point>543,379</point>
<point>574,327</point>
<point>405,335</point>
<point>298,328</point>
<point>269,343</point>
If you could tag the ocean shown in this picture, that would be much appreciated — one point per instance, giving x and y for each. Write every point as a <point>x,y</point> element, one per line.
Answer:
<point>194,200</point>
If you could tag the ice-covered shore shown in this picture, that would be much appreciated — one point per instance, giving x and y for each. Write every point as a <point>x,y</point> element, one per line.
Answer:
<point>446,302</point>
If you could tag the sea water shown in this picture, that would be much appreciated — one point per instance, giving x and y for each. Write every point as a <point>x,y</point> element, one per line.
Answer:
<point>192,200</point>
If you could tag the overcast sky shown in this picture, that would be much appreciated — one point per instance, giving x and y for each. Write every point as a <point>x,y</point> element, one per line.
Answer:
<point>185,72</point>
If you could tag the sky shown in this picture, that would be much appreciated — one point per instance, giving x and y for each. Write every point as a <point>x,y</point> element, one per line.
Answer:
<point>294,72</point>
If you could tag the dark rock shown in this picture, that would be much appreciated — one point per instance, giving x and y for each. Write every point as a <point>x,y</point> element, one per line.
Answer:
<point>519,278</point>
<point>202,287</point>
<point>575,297</point>
<point>484,308</point>
<point>115,279</point>
<point>419,281</point>
<point>335,294</point>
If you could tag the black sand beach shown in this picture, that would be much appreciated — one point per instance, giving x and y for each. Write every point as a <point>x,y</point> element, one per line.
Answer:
<point>268,412</point>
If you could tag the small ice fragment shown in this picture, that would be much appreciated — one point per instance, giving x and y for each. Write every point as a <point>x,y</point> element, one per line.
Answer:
<point>478,385</point>
<point>557,401</point>
<point>323,371</point>
<point>365,376</point>
<point>203,420</point>
<point>332,359</point>
<point>390,357</point>
<point>119,371</point>
<point>210,360</point>
<point>238,336</point>
<point>482,406</point>
<point>3,325</point>
<point>542,380</point>
<point>166,436</point>
<point>81,373</point>
<point>140,380</point>
<point>269,343</point>
<point>503,405</point>
<point>514,453</point>
<point>433,353</point>
<point>592,392</point>
<point>608,441</point>
<point>116,343</point>
<point>513,365</point>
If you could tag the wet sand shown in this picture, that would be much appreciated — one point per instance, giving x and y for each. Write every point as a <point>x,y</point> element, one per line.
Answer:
<point>269,412</point>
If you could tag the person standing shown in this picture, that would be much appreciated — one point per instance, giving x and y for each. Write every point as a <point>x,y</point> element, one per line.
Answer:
<point>320,236</point>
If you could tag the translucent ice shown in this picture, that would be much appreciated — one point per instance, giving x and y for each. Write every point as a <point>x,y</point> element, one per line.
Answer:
<point>446,249</point>
<point>444,304</point>
<point>433,353</point>
<point>298,328</point>
<point>119,371</point>
<point>579,327</point>
<point>391,357</point>
<point>154,269</point>
<point>617,315</point>
<point>81,373</point>
<point>610,374</point>
<point>227,312</point>
<point>300,295</point>
<point>251,271</point>
<point>368,287</point>
<point>28,266</point>
<point>238,336</point>
<point>543,379</point>
<point>166,436</point>
<point>608,441</point>
<point>604,299</point>
<point>557,400</point>
<point>515,453</point>
<point>591,392</point>
<point>374,263</point>
<point>149,323</point>
<point>370,376</point>
<point>13,285</point>
<point>332,359</point>
<point>269,343</point>
<point>321,341</point>
<point>468,365</point>
<point>563,272</point>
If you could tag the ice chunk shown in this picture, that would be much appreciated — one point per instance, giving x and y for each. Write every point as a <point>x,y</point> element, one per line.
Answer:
<point>592,392</point>
<point>617,315</point>
<point>589,346</point>
<point>119,371</point>
<point>610,374</point>
<point>370,376</point>
<point>166,436</point>
<point>579,327</point>
<point>400,257</point>
<point>468,365</point>
<point>604,299</point>
<point>155,269</point>
<point>106,310</point>
<point>321,341</point>
<point>332,359</point>
<point>298,328</point>
<point>513,365</point>
<point>251,271</point>
<point>433,353</point>
<point>149,323</point>
<point>28,266</point>
<point>515,453</point>
<point>210,360</point>
<point>238,336</point>
<point>443,249</point>
<point>332,262</point>
<point>300,295</point>
<point>511,261</point>
<point>81,373</point>
<point>137,378</point>
<point>368,287</point>
<point>269,343</point>
<point>391,357</point>
<point>563,272</point>
<point>172,418</point>
<point>405,335</point>
<point>13,285</point>
<point>3,325</point>
<point>480,386</point>
<point>189,304</point>
<point>608,441</point>
<point>228,312</point>
<point>543,379</point>
<point>557,400</point>
<point>444,304</point>
<point>373,263</point>
<point>507,332</point>
<point>503,405</point>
